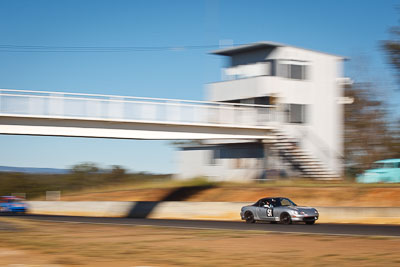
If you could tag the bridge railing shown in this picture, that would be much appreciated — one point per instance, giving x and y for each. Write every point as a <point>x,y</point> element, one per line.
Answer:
<point>124,108</point>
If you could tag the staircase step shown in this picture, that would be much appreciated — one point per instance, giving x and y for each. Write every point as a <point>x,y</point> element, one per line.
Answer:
<point>308,164</point>
<point>313,168</point>
<point>305,157</point>
<point>317,171</point>
<point>319,176</point>
<point>285,146</point>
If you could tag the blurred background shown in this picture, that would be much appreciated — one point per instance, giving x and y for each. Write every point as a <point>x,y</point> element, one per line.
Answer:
<point>324,88</point>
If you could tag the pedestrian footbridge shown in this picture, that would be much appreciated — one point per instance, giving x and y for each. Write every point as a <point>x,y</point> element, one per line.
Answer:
<point>106,116</point>
<point>24,112</point>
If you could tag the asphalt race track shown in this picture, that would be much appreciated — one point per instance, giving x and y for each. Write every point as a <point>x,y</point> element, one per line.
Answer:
<point>324,229</point>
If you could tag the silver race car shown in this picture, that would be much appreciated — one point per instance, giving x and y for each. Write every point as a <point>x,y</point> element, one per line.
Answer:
<point>278,209</point>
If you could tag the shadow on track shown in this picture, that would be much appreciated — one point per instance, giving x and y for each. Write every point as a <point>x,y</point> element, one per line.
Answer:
<point>142,209</point>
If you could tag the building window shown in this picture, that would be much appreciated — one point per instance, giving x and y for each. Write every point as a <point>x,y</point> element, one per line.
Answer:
<point>261,100</point>
<point>262,68</point>
<point>283,70</point>
<point>214,156</point>
<point>292,71</point>
<point>296,113</point>
<point>296,72</point>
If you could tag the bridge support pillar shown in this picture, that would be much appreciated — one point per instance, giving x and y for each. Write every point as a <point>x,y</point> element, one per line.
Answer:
<point>271,162</point>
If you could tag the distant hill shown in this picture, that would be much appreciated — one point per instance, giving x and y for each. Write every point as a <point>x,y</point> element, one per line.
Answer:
<point>33,170</point>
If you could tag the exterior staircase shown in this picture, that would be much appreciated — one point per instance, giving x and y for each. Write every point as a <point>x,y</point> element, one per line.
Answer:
<point>307,165</point>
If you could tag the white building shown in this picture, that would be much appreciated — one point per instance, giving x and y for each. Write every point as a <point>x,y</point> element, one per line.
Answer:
<point>304,86</point>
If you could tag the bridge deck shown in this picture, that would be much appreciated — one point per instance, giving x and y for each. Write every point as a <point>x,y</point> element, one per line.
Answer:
<point>88,115</point>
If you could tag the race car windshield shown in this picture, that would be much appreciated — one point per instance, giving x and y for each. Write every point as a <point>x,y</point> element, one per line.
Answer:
<point>286,202</point>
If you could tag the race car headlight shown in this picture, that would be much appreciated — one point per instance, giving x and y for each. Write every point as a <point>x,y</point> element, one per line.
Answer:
<point>295,212</point>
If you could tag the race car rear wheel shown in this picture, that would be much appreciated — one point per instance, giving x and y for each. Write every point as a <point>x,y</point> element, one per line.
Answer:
<point>285,218</point>
<point>249,217</point>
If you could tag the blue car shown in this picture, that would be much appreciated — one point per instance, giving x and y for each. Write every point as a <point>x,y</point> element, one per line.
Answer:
<point>382,171</point>
<point>12,204</point>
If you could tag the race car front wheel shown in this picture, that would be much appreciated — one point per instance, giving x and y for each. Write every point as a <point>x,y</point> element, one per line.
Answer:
<point>249,217</point>
<point>286,219</point>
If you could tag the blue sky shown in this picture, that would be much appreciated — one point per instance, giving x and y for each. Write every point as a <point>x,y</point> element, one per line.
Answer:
<point>348,28</point>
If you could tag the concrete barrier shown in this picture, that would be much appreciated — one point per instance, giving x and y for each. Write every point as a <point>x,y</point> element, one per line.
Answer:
<point>201,211</point>
<point>81,208</point>
<point>378,215</point>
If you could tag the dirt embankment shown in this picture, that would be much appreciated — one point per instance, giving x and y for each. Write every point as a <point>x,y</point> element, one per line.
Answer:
<point>315,196</point>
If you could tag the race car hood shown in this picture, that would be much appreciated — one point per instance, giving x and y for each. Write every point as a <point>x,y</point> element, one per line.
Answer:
<point>307,210</point>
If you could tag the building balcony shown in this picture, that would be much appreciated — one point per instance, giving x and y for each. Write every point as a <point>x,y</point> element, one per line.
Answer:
<point>255,87</point>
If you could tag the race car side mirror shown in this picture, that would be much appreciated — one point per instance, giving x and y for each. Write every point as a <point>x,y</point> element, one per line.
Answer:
<point>265,206</point>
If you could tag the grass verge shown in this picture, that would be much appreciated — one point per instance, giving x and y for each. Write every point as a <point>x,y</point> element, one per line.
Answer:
<point>101,245</point>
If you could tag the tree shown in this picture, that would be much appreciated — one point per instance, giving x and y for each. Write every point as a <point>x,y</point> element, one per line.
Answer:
<point>392,49</point>
<point>117,174</point>
<point>396,134</point>
<point>368,135</point>
<point>118,170</point>
<point>84,168</point>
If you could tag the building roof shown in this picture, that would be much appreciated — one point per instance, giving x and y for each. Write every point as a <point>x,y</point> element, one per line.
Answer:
<point>258,45</point>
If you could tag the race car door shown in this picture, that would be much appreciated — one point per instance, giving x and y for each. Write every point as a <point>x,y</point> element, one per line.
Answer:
<point>265,210</point>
